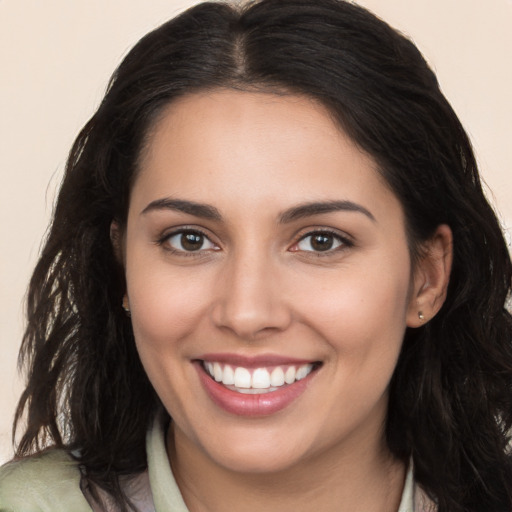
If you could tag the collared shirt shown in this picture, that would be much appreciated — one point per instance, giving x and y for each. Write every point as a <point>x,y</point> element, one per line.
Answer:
<point>51,482</point>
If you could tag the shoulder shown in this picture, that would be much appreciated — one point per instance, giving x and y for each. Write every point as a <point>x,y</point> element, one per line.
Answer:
<point>46,482</point>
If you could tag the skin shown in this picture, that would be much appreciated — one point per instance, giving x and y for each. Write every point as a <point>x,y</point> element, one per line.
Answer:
<point>257,286</point>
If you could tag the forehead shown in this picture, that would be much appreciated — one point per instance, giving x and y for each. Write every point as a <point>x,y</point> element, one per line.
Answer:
<point>230,145</point>
<point>225,116</point>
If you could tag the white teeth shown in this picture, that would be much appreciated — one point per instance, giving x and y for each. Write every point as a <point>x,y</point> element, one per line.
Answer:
<point>277,377</point>
<point>217,372</point>
<point>242,378</point>
<point>228,378</point>
<point>303,371</point>
<point>289,376</point>
<point>261,380</point>
<point>253,391</point>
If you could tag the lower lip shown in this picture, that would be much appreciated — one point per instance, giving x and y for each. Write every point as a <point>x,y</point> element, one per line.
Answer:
<point>241,404</point>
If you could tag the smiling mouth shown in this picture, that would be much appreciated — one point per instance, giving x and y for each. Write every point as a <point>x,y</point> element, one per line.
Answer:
<point>256,381</point>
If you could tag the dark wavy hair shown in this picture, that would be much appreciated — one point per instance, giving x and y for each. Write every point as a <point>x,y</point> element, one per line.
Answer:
<point>450,405</point>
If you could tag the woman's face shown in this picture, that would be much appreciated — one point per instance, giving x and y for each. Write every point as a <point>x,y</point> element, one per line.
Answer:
<point>269,281</point>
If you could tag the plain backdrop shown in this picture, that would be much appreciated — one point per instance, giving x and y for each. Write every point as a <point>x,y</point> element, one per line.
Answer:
<point>56,57</point>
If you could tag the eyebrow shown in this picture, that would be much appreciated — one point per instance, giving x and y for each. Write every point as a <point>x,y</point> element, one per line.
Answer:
<point>201,210</point>
<point>301,211</point>
<point>319,208</point>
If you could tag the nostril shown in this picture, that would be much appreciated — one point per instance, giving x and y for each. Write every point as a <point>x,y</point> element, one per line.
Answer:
<point>250,320</point>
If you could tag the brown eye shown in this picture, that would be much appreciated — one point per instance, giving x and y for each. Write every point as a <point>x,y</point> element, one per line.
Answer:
<point>320,242</point>
<point>190,241</point>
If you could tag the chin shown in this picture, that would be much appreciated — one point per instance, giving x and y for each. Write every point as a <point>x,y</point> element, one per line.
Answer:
<point>261,454</point>
<point>255,462</point>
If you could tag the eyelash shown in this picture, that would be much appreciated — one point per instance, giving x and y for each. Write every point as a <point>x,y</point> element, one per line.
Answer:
<point>344,242</point>
<point>184,230</point>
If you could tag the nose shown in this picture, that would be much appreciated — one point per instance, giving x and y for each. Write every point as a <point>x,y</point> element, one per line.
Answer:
<point>251,300</point>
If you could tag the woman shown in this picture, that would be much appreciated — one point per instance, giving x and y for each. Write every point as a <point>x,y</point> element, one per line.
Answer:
<point>273,232</point>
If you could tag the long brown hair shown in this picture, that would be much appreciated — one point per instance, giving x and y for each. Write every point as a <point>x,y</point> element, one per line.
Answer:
<point>451,395</point>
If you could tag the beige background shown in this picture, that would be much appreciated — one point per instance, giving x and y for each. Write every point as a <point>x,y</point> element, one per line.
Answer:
<point>55,60</point>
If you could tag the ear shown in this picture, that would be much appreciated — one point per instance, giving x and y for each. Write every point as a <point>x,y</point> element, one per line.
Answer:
<point>431,277</point>
<point>116,239</point>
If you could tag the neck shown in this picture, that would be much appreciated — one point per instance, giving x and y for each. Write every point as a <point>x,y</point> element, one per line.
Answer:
<point>369,480</point>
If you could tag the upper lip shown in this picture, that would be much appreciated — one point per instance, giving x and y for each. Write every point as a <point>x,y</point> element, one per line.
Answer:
<point>256,361</point>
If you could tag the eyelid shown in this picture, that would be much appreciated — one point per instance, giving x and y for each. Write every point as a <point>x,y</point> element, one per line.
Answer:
<point>345,239</point>
<point>168,234</point>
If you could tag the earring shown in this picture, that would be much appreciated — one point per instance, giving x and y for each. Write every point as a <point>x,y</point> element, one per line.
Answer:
<point>126,306</point>
<point>420,315</point>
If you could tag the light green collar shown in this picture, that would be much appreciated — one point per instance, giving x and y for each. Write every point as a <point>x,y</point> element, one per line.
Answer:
<point>167,496</point>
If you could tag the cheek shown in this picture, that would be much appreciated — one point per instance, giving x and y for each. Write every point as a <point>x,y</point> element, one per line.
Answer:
<point>361,308</point>
<point>166,308</point>
<point>166,304</point>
